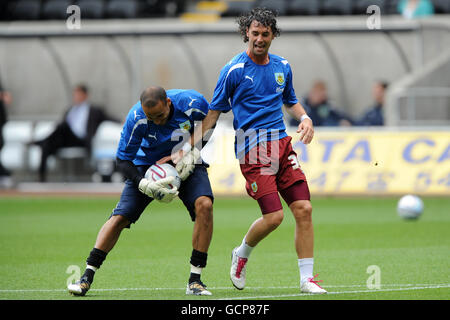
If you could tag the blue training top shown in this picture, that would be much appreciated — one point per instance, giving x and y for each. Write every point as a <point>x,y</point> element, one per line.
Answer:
<point>255,93</point>
<point>144,143</point>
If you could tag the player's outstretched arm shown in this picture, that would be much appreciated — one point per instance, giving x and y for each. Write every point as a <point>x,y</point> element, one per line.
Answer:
<point>200,132</point>
<point>186,158</point>
<point>305,127</point>
<point>206,126</point>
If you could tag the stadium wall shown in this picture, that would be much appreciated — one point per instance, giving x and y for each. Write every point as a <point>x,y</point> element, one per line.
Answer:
<point>41,61</point>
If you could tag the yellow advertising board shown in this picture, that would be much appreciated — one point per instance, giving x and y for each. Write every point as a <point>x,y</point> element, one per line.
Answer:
<point>363,162</point>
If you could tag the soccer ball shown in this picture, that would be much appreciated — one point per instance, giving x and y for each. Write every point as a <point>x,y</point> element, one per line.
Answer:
<point>410,207</point>
<point>160,171</point>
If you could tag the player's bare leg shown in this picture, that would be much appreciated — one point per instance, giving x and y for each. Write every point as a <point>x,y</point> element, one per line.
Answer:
<point>304,244</point>
<point>203,226</point>
<point>304,231</point>
<point>257,232</point>
<point>263,226</point>
<point>110,232</point>
<point>106,239</point>
<point>201,239</point>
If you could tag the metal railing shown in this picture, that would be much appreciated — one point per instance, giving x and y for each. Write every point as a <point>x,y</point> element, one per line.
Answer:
<point>406,112</point>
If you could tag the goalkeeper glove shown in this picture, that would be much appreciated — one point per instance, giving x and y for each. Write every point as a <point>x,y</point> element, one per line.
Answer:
<point>186,165</point>
<point>159,190</point>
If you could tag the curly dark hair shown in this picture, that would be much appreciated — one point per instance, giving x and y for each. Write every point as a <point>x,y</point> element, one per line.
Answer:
<point>263,15</point>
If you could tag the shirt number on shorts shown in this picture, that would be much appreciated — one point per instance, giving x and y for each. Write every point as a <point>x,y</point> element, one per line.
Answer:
<point>294,162</point>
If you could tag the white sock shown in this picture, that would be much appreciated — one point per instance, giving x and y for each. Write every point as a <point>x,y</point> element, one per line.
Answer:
<point>306,268</point>
<point>196,270</point>
<point>91,267</point>
<point>244,250</point>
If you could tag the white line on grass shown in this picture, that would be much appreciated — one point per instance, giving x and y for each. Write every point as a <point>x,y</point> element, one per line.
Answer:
<point>340,292</point>
<point>407,287</point>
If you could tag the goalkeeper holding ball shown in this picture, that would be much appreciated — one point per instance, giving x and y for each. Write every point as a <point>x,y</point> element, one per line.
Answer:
<point>153,130</point>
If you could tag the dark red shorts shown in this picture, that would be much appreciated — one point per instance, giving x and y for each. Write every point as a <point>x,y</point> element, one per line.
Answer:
<point>273,167</point>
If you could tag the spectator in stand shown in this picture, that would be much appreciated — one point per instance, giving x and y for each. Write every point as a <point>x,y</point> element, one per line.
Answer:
<point>322,113</point>
<point>374,115</point>
<point>77,128</point>
<point>411,9</point>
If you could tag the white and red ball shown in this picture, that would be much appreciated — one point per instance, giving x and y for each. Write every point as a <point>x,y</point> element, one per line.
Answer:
<point>159,171</point>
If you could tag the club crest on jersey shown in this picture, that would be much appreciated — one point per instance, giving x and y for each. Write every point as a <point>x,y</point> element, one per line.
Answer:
<point>279,77</point>
<point>254,187</point>
<point>185,125</point>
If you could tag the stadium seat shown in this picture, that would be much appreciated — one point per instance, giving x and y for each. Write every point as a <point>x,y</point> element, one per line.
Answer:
<point>91,9</point>
<point>360,6</point>
<point>16,131</point>
<point>174,7</point>
<point>276,5</point>
<point>236,8</point>
<point>104,147</point>
<point>391,6</point>
<point>69,162</point>
<point>14,153</point>
<point>336,7</point>
<point>441,6</point>
<point>23,10</point>
<point>122,9</point>
<point>4,7</point>
<point>106,139</point>
<point>74,161</point>
<point>55,9</point>
<point>303,7</point>
<point>151,8</point>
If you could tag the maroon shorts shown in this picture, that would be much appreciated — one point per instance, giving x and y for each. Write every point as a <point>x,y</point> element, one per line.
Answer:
<point>273,167</point>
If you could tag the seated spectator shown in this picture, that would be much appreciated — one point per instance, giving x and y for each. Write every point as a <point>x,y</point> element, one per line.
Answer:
<point>321,112</point>
<point>374,115</point>
<point>5,100</point>
<point>77,128</point>
<point>411,9</point>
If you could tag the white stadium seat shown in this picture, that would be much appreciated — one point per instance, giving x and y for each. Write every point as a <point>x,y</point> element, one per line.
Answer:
<point>104,144</point>
<point>17,155</point>
<point>16,135</point>
<point>104,147</point>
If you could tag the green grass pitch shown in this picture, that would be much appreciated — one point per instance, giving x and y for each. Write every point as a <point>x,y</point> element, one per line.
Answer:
<point>43,238</point>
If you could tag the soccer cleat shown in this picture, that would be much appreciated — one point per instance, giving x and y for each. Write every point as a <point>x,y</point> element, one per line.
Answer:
<point>197,288</point>
<point>310,286</point>
<point>237,271</point>
<point>79,288</point>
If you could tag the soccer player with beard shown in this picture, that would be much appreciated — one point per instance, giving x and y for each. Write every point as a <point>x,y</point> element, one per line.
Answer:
<point>255,85</point>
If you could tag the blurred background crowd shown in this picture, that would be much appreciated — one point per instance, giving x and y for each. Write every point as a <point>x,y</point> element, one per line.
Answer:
<point>133,9</point>
<point>64,93</point>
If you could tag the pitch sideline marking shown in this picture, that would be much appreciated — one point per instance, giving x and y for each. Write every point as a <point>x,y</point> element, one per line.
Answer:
<point>408,287</point>
<point>340,292</point>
